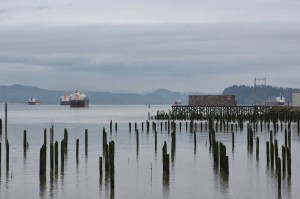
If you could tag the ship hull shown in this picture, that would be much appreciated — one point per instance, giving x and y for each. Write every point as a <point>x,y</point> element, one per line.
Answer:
<point>79,103</point>
<point>64,102</point>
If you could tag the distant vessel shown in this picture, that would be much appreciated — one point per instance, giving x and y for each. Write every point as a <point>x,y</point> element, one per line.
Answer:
<point>79,99</point>
<point>177,102</point>
<point>64,100</point>
<point>33,101</point>
<point>278,101</point>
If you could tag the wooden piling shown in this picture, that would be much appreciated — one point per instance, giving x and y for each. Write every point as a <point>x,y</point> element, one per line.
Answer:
<point>112,164</point>
<point>116,126</point>
<point>164,153</point>
<point>276,152</point>
<point>137,141</point>
<point>0,156</point>
<point>7,154</point>
<point>283,158</point>
<point>129,126</point>
<point>110,126</point>
<point>77,149</point>
<point>51,156</point>
<point>56,154</point>
<point>42,160</point>
<point>106,158</point>
<point>232,133</point>
<point>5,121</point>
<point>25,141</point>
<point>155,142</point>
<point>104,141</point>
<point>195,141</point>
<point>86,141</point>
<point>289,139</point>
<point>173,145</point>
<point>257,147</point>
<point>45,137</point>
<point>0,126</point>
<point>272,153</point>
<point>268,153</point>
<point>100,168</point>
<point>66,139</point>
<point>279,172</point>
<point>62,150</point>
<point>289,162</point>
<point>285,138</point>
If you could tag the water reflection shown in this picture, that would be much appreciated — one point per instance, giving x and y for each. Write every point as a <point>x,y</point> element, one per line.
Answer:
<point>51,182</point>
<point>42,186</point>
<point>166,185</point>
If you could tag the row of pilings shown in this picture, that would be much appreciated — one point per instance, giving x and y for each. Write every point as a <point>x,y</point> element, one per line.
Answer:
<point>219,152</point>
<point>271,116</point>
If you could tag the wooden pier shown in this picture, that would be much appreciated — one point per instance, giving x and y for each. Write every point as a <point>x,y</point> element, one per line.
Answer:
<point>205,112</point>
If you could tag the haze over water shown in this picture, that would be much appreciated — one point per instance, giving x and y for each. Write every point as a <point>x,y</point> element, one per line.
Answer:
<point>138,174</point>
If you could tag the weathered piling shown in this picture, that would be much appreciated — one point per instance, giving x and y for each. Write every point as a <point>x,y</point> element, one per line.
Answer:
<point>129,127</point>
<point>272,154</point>
<point>56,154</point>
<point>232,135</point>
<point>142,126</point>
<point>283,159</point>
<point>112,164</point>
<point>51,135</point>
<point>137,141</point>
<point>173,145</point>
<point>0,156</point>
<point>285,138</point>
<point>289,139</point>
<point>166,160</point>
<point>43,160</point>
<point>276,152</point>
<point>216,153</point>
<point>66,139</point>
<point>195,140</point>
<point>116,126</point>
<point>77,149</point>
<point>51,156</point>
<point>110,126</point>
<point>62,152</point>
<point>86,141</point>
<point>268,153</point>
<point>100,169</point>
<point>257,147</point>
<point>25,141</point>
<point>155,142</point>
<point>0,126</point>
<point>5,121</point>
<point>45,137</point>
<point>289,161</point>
<point>104,141</point>
<point>7,154</point>
<point>106,158</point>
<point>279,172</point>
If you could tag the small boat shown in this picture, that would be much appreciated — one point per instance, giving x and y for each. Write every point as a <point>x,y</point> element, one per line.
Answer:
<point>33,101</point>
<point>65,99</point>
<point>79,99</point>
<point>278,101</point>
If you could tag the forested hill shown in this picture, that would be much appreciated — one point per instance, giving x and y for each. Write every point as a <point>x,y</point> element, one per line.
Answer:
<point>245,94</point>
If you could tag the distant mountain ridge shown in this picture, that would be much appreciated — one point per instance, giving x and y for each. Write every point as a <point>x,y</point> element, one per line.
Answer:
<point>245,94</point>
<point>20,94</point>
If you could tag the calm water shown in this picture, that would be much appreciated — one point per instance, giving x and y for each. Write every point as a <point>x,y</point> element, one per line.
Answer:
<point>192,173</point>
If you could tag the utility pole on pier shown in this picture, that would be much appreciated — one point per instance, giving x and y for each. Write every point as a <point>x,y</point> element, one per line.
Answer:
<point>256,79</point>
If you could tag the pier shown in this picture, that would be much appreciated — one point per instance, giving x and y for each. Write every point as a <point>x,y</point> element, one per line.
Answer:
<point>185,112</point>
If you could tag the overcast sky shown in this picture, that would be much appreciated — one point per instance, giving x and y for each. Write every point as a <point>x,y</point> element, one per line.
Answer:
<point>142,45</point>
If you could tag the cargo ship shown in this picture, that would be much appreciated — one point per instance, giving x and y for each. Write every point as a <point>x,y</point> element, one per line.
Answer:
<point>64,100</point>
<point>33,101</point>
<point>79,99</point>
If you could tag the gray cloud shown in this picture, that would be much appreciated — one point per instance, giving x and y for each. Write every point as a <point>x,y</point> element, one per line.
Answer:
<point>195,57</point>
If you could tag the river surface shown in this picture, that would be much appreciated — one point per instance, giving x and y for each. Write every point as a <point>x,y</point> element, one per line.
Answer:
<point>138,173</point>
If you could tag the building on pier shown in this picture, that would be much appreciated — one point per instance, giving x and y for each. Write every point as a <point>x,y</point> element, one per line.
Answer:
<point>296,98</point>
<point>212,100</point>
